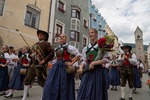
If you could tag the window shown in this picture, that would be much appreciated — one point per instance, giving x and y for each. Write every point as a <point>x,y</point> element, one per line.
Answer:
<point>75,13</point>
<point>94,17</point>
<point>85,23</point>
<point>85,40</point>
<point>138,37</point>
<point>99,22</point>
<point>59,29</point>
<point>75,44</point>
<point>32,17</point>
<point>74,36</point>
<point>61,6</point>
<point>2,2</point>
<point>75,24</point>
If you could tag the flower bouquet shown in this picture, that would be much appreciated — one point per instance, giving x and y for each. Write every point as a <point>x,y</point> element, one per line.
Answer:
<point>148,83</point>
<point>105,43</point>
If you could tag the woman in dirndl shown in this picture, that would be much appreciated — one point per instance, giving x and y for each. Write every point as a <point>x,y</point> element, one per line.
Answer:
<point>16,82</point>
<point>137,83</point>
<point>4,78</point>
<point>114,74</point>
<point>59,84</point>
<point>93,82</point>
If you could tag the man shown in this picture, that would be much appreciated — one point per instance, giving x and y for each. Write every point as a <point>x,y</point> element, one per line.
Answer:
<point>126,70</point>
<point>13,61</point>
<point>43,52</point>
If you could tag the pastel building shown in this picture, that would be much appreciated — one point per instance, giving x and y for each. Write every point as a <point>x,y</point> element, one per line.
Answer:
<point>23,17</point>
<point>72,18</point>
<point>97,20</point>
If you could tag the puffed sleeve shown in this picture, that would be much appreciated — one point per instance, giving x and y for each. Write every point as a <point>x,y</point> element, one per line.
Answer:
<point>7,57</point>
<point>133,60</point>
<point>27,57</point>
<point>106,57</point>
<point>84,59</point>
<point>74,51</point>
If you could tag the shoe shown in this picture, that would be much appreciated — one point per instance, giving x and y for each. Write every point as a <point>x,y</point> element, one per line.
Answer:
<point>27,95</point>
<point>8,96</point>
<point>134,92</point>
<point>112,88</point>
<point>130,98</point>
<point>2,94</point>
<point>122,99</point>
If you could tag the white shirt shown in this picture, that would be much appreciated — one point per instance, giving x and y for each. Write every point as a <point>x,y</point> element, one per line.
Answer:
<point>72,50</point>
<point>7,57</point>
<point>132,60</point>
<point>13,56</point>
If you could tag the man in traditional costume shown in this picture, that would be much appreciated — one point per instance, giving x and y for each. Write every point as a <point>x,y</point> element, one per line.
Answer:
<point>42,53</point>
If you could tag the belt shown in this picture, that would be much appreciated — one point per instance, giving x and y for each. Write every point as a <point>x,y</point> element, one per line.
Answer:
<point>11,64</point>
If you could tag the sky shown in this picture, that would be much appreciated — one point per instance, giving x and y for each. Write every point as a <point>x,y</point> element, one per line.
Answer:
<point>123,17</point>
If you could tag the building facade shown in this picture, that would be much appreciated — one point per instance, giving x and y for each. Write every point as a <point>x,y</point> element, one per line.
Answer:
<point>148,55</point>
<point>23,17</point>
<point>97,20</point>
<point>72,18</point>
<point>117,45</point>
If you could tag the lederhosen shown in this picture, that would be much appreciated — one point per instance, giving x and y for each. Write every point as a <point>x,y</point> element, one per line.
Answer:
<point>126,72</point>
<point>36,70</point>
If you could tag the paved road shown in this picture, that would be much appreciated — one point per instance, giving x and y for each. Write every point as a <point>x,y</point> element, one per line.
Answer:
<point>143,93</point>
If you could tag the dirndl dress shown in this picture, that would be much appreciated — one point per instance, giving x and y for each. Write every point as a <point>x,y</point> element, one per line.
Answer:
<point>16,81</point>
<point>114,76</point>
<point>59,84</point>
<point>4,78</point>
<point>136,78</point>
<point>93,83</point>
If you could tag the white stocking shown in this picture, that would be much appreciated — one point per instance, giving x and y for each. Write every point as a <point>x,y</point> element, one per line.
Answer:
<point>26,89</point>
<point>122,92</point>
<point>130,92</point>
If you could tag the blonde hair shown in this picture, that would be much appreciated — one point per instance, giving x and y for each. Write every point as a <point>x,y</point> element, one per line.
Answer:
<point>64,35</point>
<point>94,29</point>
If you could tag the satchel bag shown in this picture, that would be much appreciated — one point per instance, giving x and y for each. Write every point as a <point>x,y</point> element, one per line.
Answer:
<point>70,69</point>
<point>23,71</point>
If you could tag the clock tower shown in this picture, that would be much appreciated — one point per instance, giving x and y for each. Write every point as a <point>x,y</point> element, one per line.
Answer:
<point>139,44</point>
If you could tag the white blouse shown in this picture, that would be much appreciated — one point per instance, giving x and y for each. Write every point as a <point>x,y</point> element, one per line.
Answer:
<point>72,50</point>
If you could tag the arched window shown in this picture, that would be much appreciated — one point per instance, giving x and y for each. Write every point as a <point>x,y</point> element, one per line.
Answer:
<point>138,37</point>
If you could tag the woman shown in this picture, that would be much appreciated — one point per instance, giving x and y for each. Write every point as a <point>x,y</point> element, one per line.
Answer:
<point>60,84</point>
<point>137,83</point>
<point>93,83</point>
<point>16,83</point>
<point>114,74</point>
<point>4,78</point>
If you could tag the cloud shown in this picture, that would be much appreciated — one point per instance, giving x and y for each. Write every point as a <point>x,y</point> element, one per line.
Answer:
<point>123,16</point>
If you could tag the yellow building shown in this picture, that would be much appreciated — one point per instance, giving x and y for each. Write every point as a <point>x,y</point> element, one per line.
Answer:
<point>23,17</point>
<point>111,33</point>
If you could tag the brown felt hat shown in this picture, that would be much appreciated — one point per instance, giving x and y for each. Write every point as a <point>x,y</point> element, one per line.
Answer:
<point>43,32</point>
<point>126,46</point>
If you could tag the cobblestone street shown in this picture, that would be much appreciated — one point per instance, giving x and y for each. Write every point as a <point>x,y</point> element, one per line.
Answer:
<point>142,94</point>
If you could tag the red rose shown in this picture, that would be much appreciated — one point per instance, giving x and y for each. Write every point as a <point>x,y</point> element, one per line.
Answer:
<point>101,42</point>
